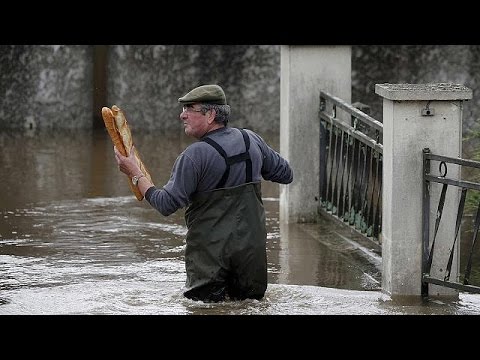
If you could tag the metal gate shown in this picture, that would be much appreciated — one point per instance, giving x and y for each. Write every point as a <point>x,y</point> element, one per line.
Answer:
<point>466,280</point>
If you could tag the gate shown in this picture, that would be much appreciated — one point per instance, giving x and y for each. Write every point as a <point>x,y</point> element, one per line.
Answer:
<point>466,280</point>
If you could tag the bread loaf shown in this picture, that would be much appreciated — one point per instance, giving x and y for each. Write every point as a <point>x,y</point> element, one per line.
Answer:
<point>119,131</point>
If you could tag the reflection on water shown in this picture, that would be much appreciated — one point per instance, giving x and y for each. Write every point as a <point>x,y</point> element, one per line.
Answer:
<point>74,240</point>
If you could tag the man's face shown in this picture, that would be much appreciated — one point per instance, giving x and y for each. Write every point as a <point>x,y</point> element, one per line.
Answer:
<point>195,122</point>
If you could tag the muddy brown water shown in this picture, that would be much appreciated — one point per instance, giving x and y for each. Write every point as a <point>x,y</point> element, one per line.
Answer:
<point>74,240</point>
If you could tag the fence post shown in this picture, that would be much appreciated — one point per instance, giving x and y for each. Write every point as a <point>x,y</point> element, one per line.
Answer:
<point>415,116</point>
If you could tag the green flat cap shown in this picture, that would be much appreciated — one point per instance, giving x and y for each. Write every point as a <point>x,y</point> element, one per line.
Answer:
<point>212,94</point>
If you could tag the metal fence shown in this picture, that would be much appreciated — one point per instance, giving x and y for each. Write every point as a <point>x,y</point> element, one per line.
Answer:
<point>464,281</point>
<point>350,165</point>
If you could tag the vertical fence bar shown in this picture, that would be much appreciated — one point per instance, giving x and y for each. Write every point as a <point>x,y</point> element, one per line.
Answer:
<point>461,207</point>
<point>330,169</point>
<point>358,184</point>
<point>361,198</point>
<point>378,216</point>
<point>425,220</point>
<point>322,156</point>
<point>353,181</point>
<point>371,210</point>
<point>342,166</point>
<point>345,206</point>
<point>468,269</point>
<point>335,180</point>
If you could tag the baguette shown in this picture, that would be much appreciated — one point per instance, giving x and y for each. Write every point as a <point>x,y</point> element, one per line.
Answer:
<point>119,131</point>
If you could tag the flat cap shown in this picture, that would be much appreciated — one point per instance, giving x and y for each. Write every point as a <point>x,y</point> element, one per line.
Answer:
<point>212,94</point>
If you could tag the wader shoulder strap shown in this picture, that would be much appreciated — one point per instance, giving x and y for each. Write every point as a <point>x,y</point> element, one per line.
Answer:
<point>245,156</point>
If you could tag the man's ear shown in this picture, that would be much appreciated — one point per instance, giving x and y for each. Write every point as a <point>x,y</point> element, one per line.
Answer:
<point>211,116</point>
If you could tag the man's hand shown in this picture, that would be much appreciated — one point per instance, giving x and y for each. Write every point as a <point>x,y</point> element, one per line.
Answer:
<point>127,164</point>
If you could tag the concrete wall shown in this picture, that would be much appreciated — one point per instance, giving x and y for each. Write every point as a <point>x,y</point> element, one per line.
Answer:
<point>416,64</point>
<point>147,80</point>
<point>46,86</point>
<point>51,85</point>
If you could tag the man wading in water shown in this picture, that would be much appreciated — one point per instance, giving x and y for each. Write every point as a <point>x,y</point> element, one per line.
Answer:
<point>218,179</point>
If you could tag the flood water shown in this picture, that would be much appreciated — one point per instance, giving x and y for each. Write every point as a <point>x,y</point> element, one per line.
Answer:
<point>74,240</point>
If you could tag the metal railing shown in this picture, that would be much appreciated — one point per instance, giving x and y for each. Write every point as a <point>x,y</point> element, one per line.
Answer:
<point>350,183</point>
<point>464,277</point>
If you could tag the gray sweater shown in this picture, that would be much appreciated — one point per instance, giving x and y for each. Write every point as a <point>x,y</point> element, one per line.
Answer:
<point>199,168</point>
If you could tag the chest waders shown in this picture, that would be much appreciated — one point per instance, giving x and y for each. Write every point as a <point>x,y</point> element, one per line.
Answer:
<point>225,253</point>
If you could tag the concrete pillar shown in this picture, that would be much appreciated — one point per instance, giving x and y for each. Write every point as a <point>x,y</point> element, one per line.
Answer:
<point>304,71</point>
<point>416,116</point>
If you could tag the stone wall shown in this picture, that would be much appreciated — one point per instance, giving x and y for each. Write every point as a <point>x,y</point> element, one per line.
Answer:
<point>416,64</point>
<point>146,81</point>
<point>51,86</point>
<point>47,86</point>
